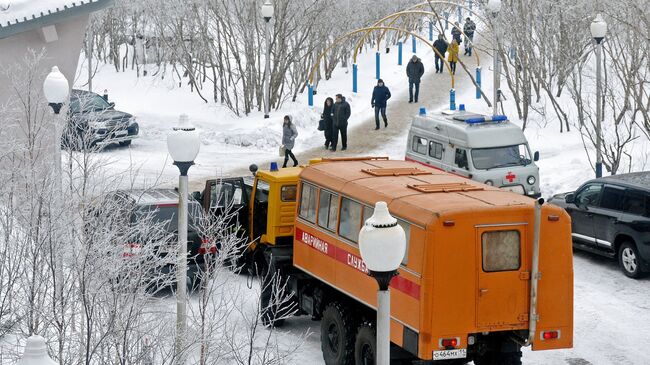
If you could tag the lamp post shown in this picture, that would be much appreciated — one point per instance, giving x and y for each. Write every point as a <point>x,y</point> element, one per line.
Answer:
<point>56,90</point>
<point>35,352</point>
<point>183,145</point>
<point>267,13</point>
<point>598,30</point>
<point>494,6</point>
<point>382,243</point>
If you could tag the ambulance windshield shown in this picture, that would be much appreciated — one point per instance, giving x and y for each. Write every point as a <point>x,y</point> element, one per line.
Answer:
<point>505,156</point>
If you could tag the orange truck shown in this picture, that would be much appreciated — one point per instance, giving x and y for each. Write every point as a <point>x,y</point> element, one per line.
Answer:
<point>485,273</point>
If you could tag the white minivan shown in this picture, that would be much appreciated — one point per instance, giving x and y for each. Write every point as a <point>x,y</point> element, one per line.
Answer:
<point>489,149</point>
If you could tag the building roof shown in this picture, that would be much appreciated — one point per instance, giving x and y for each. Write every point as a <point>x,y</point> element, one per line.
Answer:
<point>417,197</point>
<point>17,16</point>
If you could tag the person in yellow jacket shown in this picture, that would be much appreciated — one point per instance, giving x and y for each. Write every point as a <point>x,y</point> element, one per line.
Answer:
<point>452,58</point>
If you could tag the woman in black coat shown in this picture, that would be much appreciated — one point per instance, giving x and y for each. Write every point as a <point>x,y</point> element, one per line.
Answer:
<point>328,112</point>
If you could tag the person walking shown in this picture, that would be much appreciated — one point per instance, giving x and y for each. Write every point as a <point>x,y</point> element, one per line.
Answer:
<point>414,71</point>
<point>453,55</point>
<point>328,110</point>
<point>289,134</point>
<point>469,29</point>
<point>456,33</point>
<point>441,46</point>
<point>380,96</point>
<point>341,114</point>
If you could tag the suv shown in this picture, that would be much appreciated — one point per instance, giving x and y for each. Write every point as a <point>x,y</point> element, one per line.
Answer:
<point>611,216</point>
<point>159,208</point>
<point>93,121</point>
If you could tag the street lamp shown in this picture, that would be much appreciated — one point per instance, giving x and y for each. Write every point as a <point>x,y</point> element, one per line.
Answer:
<point>494,6</point>
<point>382,243</point>
<point>183,145</point>
<point>56,89</point>
<point>267,13</point>
<point>35,352</point>
<point>598,30</point>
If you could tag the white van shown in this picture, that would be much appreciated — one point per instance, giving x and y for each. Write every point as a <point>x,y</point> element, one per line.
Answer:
<point>488,149</point>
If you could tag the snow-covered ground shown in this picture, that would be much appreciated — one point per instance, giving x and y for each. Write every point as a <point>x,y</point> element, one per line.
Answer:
<point>612,312</point>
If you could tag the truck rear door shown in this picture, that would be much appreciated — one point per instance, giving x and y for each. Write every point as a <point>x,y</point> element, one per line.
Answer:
<point>502,284</point>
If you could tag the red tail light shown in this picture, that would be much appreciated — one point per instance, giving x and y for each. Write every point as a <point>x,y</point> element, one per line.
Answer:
<point>213,249</point>
<point>203,251</point>
<point>207,247</point>
<point>131,249</point>
<point>550,335</point>
<point>449,342</point>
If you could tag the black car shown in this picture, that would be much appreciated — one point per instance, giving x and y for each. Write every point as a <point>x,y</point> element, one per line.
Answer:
<point>159,207</point>
<point>611,216</point>
<point>93,122</point>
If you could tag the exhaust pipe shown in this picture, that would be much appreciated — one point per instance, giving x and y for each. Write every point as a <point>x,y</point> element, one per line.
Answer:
<point>535,274</point>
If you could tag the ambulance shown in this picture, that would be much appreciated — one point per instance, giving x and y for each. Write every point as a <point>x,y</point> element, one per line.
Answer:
<point>488,149</point>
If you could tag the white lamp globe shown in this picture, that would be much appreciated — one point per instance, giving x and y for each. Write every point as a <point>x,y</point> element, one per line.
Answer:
<point>35,353</point>
<point>598,28</point>
<point>183,141</point>
<point>494,6</point>
<point>55,87</point>
<point>382,241</point>
<point>267,10</point>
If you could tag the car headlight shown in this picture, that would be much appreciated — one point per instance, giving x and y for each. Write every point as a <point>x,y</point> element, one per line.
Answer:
<point>531,180</point>
<point>489,182</point>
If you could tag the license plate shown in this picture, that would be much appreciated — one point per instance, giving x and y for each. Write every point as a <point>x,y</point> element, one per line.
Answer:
<point>450,354</point>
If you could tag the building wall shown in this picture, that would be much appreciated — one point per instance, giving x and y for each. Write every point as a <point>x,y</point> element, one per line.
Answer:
<point>63,52</point>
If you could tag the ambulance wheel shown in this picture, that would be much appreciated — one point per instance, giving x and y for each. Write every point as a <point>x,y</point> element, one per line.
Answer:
<point>337,335</point>
<point>365,345</point>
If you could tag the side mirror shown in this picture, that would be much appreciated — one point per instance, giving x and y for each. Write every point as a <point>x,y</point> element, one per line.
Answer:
<point>111,105</point>
<point>253,169</point>
<point>196,195</point>
<point>569,198</point>
<point>536,156</point>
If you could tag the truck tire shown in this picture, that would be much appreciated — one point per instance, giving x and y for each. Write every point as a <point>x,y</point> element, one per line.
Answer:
<point>628,260</point>
<point>337,335</point>
<point>365,345</point>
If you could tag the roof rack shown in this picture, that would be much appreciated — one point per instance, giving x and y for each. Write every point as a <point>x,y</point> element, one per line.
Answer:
<point>444,188</point>
<point>404,171</point>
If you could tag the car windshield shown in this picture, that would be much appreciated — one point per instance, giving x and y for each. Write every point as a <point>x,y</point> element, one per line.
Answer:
<point>495,157</point>
<point>166,215</point>
<point>88,103</point>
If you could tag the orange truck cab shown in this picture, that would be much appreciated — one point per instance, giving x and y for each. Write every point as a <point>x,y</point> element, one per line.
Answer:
<point>485,271</point>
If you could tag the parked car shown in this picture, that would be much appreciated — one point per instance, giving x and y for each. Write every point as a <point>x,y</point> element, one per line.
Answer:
<point>94,122</point>
<point>160,209</point>
<point>611,217</point>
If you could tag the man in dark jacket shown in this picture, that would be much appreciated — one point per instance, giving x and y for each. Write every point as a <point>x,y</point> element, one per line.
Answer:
<point>380,96</point>
<point>469,29</point>
<point>456,33</point>
<point>441,46</point>
<point>341,115</point>
<point>414,71</point>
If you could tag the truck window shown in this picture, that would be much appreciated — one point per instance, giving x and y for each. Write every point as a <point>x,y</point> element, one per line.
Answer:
<point>503,156</point>
<point>501,251</point>
<point>308,203</point>
<point>288,193</point>
<point>262,192</point>
<point>328,208</point>
<point>225,193</point>
<point>350,219</point>
<point>461,158</point>
<point>435,150</point>
<point>419,145</point>
<point>612,198</point>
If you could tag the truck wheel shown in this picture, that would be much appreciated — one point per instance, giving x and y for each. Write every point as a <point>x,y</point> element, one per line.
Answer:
<point>365,345</point>
<point>337,335</point>
<point>628,260</point>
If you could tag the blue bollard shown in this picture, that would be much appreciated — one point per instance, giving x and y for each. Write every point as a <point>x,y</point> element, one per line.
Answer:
<point>423,111</point>
<point>446,13</point>
<point>470,4</point>
<point>354,77</point>
<point>478,82</point>
<point>399,53</point>
<point>460,15</point>
<point>414,45</point>
<point>430,31</point>
<point>310,95</point>
<point>452,99</point>
<point>377,66</point>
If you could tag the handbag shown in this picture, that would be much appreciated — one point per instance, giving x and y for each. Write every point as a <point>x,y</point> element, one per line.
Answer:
<point>282,150</point>
<point>321,125</point>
